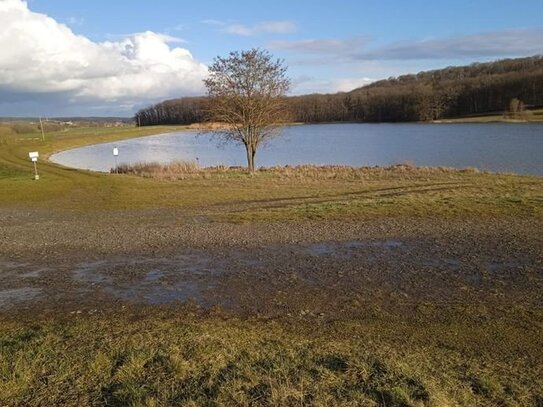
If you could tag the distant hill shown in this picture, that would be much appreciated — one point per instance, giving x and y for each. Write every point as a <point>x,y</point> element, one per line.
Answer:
<point>476,89</point>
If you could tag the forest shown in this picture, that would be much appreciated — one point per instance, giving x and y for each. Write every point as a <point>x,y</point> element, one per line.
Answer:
<point>506,86</point>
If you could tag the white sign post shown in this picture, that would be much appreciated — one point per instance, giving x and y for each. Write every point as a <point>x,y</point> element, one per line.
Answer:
<point>34,157</point>
<point>115,154</point>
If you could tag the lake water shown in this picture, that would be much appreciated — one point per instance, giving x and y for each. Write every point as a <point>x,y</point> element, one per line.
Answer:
<point>499,147</point>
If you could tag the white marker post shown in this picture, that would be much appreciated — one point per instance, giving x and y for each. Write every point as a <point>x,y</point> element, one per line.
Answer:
<point>115,154</point>
<point>34,157</point>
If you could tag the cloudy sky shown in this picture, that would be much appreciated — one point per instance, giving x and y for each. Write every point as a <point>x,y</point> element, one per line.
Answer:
<point>102,58</point>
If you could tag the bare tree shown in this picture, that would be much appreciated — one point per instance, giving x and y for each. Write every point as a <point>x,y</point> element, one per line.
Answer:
<point>247,91</point>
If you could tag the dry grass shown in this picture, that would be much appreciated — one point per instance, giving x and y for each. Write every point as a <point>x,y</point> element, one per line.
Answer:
<point>527,116</point>
<point>207,126</point>
<point>164,359</point>
<point>171,171</point>
<point>180,170</point>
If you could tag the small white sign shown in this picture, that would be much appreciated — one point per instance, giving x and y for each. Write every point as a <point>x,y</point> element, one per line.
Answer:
<point>34,159</point>
<point>33,154</point>
<point>115,151</point>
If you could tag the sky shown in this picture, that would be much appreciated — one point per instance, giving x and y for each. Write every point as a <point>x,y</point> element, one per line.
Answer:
<point>111,58</point>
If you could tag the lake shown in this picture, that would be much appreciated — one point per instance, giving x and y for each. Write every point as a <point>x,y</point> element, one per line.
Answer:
<point>498,147</point>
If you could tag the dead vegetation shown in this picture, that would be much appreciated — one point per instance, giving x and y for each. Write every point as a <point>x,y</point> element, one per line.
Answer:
<point>179,170</point>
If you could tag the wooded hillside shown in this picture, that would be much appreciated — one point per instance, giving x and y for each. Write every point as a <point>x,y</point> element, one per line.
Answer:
<point>475,89</point>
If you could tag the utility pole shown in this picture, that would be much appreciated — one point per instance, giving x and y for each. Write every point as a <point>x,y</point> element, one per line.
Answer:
<point>42,132</point>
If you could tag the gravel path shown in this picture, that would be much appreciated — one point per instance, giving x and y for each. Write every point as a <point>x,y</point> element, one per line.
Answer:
<point>53,261</point>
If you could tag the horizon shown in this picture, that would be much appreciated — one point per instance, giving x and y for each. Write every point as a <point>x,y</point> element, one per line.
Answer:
<point>82,60</point>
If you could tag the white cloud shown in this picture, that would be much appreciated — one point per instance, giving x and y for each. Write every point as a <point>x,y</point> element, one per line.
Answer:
<point>211,21</point>
<point>505,43</point>
<point>308,85</point>
<point>328,46</point>
<point>39,55</point>
<point>348,84</point>
<point>239,29</point>
<point>497,44</point>
<point>264,27</point>
<point>75,21</point>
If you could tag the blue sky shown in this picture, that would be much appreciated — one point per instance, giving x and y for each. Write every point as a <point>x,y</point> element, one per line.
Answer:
<point>328,46</point>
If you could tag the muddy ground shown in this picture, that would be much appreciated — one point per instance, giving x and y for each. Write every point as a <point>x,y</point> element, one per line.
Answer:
<point>58,262</point>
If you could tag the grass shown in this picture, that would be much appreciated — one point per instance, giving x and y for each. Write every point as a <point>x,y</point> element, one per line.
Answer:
<point>163,359</point>
<point>528,116</point>
<point>172,171</point>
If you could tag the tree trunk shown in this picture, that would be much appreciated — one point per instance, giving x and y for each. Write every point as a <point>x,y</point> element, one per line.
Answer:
<point>250,158</point>
<point>253,159</point>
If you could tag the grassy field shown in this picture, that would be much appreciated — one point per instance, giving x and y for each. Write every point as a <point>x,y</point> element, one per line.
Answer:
<point>476,355</point>
<point>528,116</point>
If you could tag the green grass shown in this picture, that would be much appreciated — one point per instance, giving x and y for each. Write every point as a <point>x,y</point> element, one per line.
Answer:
<point>161,359</point>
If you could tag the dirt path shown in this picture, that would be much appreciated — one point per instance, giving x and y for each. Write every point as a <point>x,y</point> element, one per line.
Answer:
<point>61,263</point>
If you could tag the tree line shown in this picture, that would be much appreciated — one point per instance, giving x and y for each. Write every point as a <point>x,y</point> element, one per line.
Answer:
<point>476,89</point>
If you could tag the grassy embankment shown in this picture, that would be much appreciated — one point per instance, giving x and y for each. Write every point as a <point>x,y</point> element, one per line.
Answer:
<point>528,116</point>
<point>164,358</point>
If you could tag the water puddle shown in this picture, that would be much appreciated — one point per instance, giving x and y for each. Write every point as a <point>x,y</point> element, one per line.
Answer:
<point>153,276</point>
<point>351,246</point>
<point>160,294</point>
<point>90,273</point>
<point>7,266</point>
<point>230,276</point>
<point>501,266</point>
<point>16,296</point>
<point>11,269</point>
<point>444,263</point>
<point>149,280</point>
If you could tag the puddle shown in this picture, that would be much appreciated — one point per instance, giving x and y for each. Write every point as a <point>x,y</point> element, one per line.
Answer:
<point>444,263</point>
<point>160,294</point>
<point>89,272</point>
<point>153,276</point>
<point>103,272</point>
<point>148,280</point>
<point>10,269</point>
<point>11,265</point>
<point>340,248</point>
<point>497,266</point>
<point>33,274</point>
<point>9,298</point>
